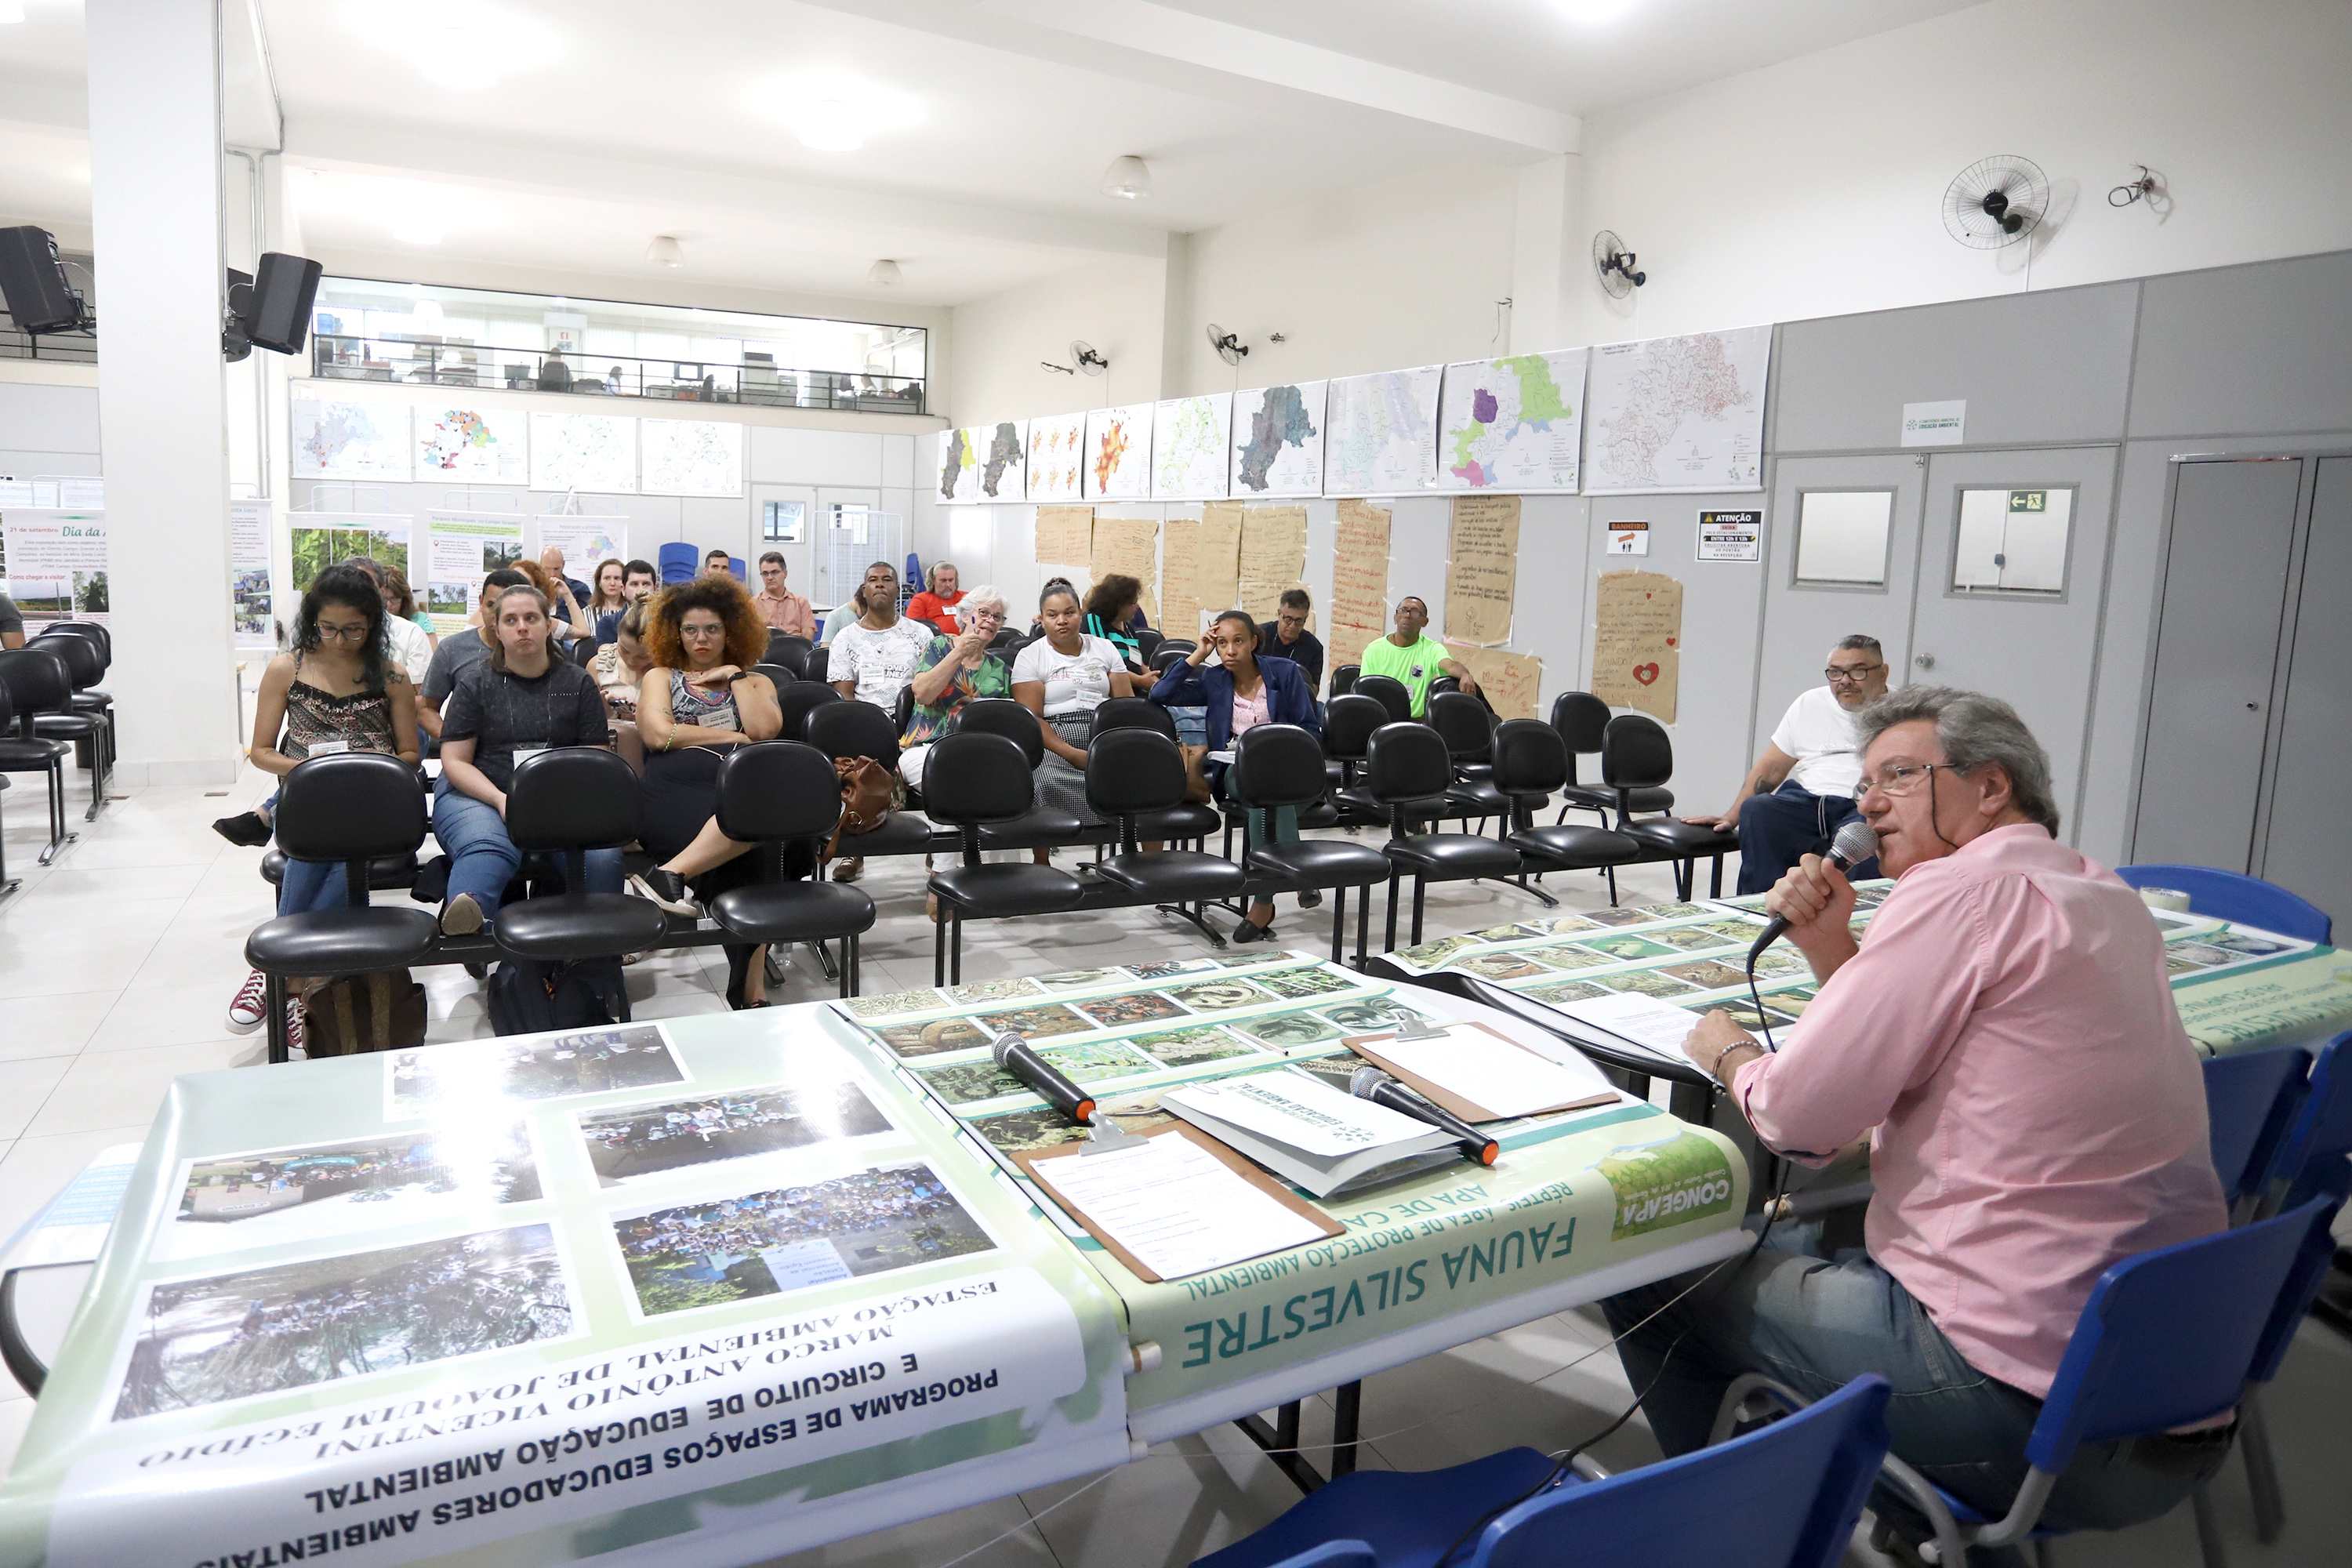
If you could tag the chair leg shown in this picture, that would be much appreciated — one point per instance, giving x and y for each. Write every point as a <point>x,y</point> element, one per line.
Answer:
<point>58,837</point>
<point>1715,880</point>
<point>1527,887</point>
<point>940,950</point>
<point>1420,889</point>
<point>1363,923</point>
<point>2209,1529</point>
<point>1610,872</point>
<point>273,1002</point>
<point>1346,1417</point>
<point>1339,924</point>
<point>955,949</point>
<point>856,974</point>
<point>2262,1469</point>
<point>1389,945</point>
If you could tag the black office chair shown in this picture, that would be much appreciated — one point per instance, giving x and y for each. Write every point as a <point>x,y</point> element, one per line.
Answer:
<point>799,699</point>
<point>820,660</point>
<point>1187,820</point>
<point>1348,725</point>
<point>842,729</point>
<point>994,784</point>
<point>1041,826</point>
<point>780,676</point>
<point>39,686</point>
<point>1343,680</point>
<point>1134,774</point>
<point>581,651</point>
<point>1408,767</point>
<point>91,700</point>
<point>567,801</point>
<point>90,730</point>
<point>1583,720</point>
<point>1169,657</point>
<point>1638,757</point>
<point>1389,693</point>
<point>1278,765</point>
<point>1530,761</point>
<point>773,793</point>
<point>791,650</point>
<point>386,874</point>
<point>353,807</point>
<point>1462,722</point>
<point>1146,642</point>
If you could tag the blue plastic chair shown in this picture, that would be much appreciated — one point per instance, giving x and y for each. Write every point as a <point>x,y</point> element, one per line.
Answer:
<point>2237,898</point>
<point>1334,1554</point>
<point>679,562</point>
<point>2312,1159</point>
<point>1785,1497</point>
<point>2251,1104</point>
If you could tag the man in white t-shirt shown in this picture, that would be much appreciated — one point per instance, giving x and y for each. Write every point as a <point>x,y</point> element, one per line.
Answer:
<point>1802,788</point>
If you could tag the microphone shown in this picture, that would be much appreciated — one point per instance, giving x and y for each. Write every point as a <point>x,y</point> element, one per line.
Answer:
<point>1856,842</point>
<point>1370,1083</point>
<point>1015,1055</point>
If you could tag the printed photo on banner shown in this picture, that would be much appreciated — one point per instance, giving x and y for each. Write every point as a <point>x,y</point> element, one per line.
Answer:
<point>772,1241</point>
<point>462,547</point>
<point>55,563</point>
<point>730,1124</point>
<point>1043,1127</point>
<point>324,539</point>
<point>966,1083</point>
<point>544,1067</point>
<point>259,1331</point>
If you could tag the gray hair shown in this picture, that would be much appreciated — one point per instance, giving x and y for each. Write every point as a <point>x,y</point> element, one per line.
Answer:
<point>980,598</point>
<point>932,574</point>
<point>1973,730</point>
<point>1857,643</point>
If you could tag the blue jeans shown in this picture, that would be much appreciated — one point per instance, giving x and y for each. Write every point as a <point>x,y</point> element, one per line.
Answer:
<point>1816,1323</point>
<point>1777,830</point>
<point>310,885</point>
<point>483,859</point>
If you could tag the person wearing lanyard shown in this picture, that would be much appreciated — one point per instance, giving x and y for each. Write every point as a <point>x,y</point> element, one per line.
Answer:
<point>517,703</point>
<point>1242,692</point>
<point>1113,605</point>
<point>1063,677</point>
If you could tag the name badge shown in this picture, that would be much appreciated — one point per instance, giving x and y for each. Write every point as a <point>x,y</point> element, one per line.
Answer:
<point>522,752</point>
<point>327,748</point>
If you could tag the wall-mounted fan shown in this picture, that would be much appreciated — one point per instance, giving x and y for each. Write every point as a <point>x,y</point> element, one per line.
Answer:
<point>1083,355</point>
<point>1230,348</point>
<point>1614,264</point>
<point>1996,201</point>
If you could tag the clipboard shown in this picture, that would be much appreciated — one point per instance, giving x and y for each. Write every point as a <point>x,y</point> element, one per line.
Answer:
<point>1029,1160</point>
<point>1468,1109</point>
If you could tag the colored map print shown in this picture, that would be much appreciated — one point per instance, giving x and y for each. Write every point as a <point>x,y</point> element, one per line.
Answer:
<point>955,466</point>
<point>1119,446</point>
<point>583,452</point>
<point>1005,445</point>
<point>486,444</point>
<point>1679,413</point>
<point>1279,440</point>
<point>349,440</point>
<point>1513,424</point>
<point>1189,447</point>
<point>1057,458</point>
<point>1381,433</point>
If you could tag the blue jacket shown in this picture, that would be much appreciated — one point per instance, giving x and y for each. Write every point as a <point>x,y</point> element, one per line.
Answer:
<point>1287,698</point>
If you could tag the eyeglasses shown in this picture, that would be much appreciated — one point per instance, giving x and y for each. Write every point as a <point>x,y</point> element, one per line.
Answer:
<point>1902,778</point>
<point>1852,676</point>
<point>343,633</point>
<point>995,615</point>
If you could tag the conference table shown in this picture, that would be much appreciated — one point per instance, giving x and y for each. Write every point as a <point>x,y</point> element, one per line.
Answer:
<point>705,1290</point>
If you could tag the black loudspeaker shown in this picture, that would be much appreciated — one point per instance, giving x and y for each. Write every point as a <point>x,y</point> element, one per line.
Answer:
<point>283,288</point>
<point>33,282</point>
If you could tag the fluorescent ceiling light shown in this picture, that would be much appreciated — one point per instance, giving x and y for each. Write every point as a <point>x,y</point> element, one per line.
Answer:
<point>664,251</point>
<point>885,274</point>
<point>1128,177</point>
<point>1594,10</point>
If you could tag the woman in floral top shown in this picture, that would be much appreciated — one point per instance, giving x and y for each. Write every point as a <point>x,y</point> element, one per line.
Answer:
<point>951,672</point>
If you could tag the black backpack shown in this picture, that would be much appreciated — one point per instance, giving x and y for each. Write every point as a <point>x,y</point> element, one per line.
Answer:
<point>531,996</point>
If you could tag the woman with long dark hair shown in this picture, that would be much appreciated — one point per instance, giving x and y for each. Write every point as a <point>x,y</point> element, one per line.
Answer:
<point>609,594</point>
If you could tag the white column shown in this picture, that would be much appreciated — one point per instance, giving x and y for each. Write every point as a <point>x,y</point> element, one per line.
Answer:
<point>155,198</point>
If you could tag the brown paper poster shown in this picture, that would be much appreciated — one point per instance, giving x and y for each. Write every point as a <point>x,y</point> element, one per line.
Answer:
<point>1065,536</point>
<point>1512,682</point>
<point>1359,582</point>
<point>1217,571</point>
<point>1482,575</point>
<point>1180,578</point>
<point>1130,546</point>
<point>1637,634</point>
<point>1273,556</point>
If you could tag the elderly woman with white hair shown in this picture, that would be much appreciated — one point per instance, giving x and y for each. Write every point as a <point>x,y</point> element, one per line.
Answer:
<point>952,671</point>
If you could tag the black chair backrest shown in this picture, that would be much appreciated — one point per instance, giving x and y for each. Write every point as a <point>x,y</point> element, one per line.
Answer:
<point>352,805</point>
<point>994,782</point>
<point>1133,713</point>
<point>1006,639</point>
<point>573,797</point>
<point>1462,722</point>
<point>903,710</point>
<point>7,709</point>
<point>1389,692</point>
<point>1445,683</point>
<point>789,649</point>
<point>999,716</point>
<point>93,635</point>
<point>1148,641</point>
<point>38,679</point>
<point>1529,757</point>
<point>777,790</point>
<point>1170,656</point>
<point>1580,718</point>
<point>1409,763</point>
<point>84,666</point>
<point>582,650</point>
<point>1635,752</point>
<point>844,729</point>
<point>1276,765</point>
<point>779,675</point>
<point>1131,769</point>
<point>796,700</point>
<point>1348,725</point>
<point>1343,680</point>
<point>820,659</point>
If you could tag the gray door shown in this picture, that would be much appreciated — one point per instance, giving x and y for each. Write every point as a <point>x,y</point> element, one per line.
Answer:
<point>2305,846</point>
<point>2012,559</point>
<point>2225,580</point>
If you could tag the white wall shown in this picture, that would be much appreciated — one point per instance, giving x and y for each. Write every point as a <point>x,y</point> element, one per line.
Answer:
<point>48,419</point>
<point>1115,304</point>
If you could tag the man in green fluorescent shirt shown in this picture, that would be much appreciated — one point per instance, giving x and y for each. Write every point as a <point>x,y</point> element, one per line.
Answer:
<point>1409,655</point>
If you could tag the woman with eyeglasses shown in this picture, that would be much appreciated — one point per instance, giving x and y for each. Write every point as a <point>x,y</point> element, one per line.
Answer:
<point>950,672</point>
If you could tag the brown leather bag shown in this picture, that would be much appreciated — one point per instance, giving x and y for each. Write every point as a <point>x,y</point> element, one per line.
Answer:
<point>379,1012</point>
<point>868,792</point>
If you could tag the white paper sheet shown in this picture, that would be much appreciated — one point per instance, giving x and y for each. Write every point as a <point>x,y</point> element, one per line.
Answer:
<point>1644,1020</point>
<point>1300,1112</point>
<point>1502,1076</point>
<point>1176,1206</point>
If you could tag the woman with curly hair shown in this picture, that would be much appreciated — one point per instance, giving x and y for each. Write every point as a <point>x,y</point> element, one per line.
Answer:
<point>563,611</point>
<point>699,700</point>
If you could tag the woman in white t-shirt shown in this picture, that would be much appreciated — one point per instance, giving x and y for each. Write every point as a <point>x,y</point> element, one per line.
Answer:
<point>1063,677</point>
<point>874,659</point>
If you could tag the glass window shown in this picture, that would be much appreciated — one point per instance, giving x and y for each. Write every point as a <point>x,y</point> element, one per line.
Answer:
<point>854,518</point>
<point>2012,541</point>
<point>1842,537</point>
<point>780,521</point>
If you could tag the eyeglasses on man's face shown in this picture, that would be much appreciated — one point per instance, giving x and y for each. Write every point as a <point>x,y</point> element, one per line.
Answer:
<point>1852,674</point>
<point>1899,779</point>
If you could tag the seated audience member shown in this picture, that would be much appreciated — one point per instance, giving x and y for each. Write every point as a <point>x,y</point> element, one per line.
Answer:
<point>873,658</point>
<point>1037,622</point>
<point>2004,1034</point>
<point>940,596</point>
<point>1063,677</point>
<point>406,642</point>
<point>1242,692</point>
<point>638,581</point>
<point>779,606</point>
<point>1286,636</point>
<point>700,700</point>
<point>610,596</point>
<point>519,698</point>
<point>335,690</point>
<point>1114,606</point>
<point>1802,788</point>
<point>399,599</point>
<point>1411,656</point>
<point>460,649</point>
<point>565,618</point>
<point>12,624</point>
<point>619,670</point>
<point>550,560</point>
<point>950,672</point>
<point>716,563</point>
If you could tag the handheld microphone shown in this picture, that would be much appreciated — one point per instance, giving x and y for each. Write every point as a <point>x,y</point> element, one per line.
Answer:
<point>1015,1055</point>
<point>1856,842</point>
<point>1370,1083</point>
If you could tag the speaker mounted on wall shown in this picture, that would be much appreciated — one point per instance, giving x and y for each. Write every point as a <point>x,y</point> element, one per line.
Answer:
<point>271,309</point>
<point>32,283</point>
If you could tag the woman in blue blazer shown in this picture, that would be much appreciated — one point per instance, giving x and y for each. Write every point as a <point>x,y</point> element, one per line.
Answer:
<point>1241,691</point>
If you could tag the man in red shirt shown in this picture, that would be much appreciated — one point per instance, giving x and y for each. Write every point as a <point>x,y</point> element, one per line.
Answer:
<point>937,601</point>
<point>783,609</point>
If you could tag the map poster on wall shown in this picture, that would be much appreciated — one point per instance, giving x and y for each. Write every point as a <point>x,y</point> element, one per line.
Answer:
<point>322,538</point>
<point>349,440</point>
<point>1190,437</point>
<point>1272,557</point>
<point>1382,439</point>
<point>1677,413</point>
<point>585,542</point>
<point>1482,571</point>
<point>56,560</point>
<point>1512,424</point>
<point>1512,683</point>
<point>248,572</point>
<point>1057,458</point>
<point>1180,577</point>
<point>690,458</point>
<point>1066,535</point>
<point>1118,453</point>
<point>1131,547</point>
<point>1637,633</point>
<point>1359,582</point>
<point>488,445</point>
<point>983,462</point>
<point>583,452</point>
<point>1279,441</point>
<point>461,549</point>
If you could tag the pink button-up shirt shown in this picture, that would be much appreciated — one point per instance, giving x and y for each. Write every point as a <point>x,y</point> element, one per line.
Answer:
<point>2008,1030</point>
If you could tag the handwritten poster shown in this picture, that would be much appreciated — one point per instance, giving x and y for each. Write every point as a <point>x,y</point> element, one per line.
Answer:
<point>1483,573</point>
<point>1065,536</point>
<point>1360,581</point>
<point>1130,546</point>
<point>1180,577</point>
<point>1512,682</point>
<point>1217,574</point>
<point>1273,556</point>
<point>1637,633</point>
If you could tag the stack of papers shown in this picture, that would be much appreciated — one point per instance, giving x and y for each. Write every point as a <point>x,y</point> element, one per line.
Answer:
<point>1174,1206</point>
<point>1309,1134</point>
<point>1643,1020</point>
<point>1480,1076</point>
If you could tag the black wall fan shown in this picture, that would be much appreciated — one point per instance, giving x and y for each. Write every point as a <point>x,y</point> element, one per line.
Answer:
<point>1614,264</point>
<point>1996,201</point>
<point>1229,346</point>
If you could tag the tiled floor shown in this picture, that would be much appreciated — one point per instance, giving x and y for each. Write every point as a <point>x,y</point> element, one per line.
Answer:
<point>117,964</point>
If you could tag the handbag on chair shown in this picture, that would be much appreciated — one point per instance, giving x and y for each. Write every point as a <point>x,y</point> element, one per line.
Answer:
<point>868,794</point>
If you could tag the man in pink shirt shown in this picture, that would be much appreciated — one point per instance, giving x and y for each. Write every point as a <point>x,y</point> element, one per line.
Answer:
<point>2005,1037</point>
<point>783,610</point>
